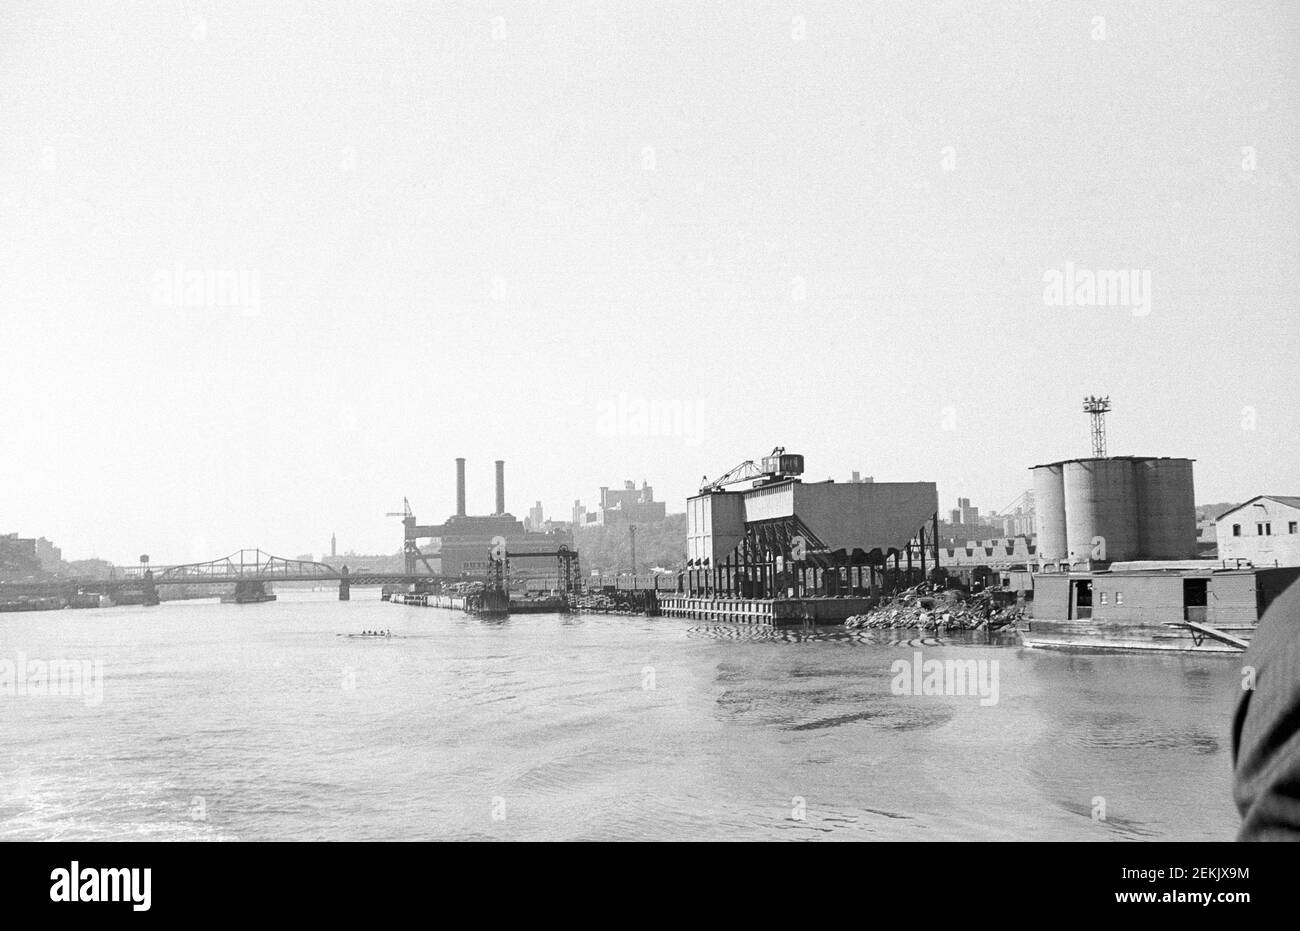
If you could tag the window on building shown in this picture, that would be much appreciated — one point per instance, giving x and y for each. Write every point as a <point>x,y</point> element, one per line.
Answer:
<point>1236,530</point>
<point>1103,597</point>
<point>1291,527</point>
<point>1119,598</point>
<point>1259,530</point>
<point>1268,530</point>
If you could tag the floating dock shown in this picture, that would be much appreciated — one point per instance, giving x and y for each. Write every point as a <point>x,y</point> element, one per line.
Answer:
<point>1154,637</point>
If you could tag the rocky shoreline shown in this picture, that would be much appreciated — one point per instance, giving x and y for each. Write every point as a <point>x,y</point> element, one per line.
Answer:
<point>926,607</point>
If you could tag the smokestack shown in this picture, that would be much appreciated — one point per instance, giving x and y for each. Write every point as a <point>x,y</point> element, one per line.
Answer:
<point>501,486</point>
<point>460,487</point>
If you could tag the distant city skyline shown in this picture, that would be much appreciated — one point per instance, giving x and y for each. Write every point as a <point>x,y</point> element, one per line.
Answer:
<point>267,272</point>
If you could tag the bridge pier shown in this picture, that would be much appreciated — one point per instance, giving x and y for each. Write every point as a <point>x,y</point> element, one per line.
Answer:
<point>345,587</point>
<point>150,590</point>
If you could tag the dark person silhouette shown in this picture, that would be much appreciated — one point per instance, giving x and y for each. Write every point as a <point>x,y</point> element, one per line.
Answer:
<point>1266,728</point>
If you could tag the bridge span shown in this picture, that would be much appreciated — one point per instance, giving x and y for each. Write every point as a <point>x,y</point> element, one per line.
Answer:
<point>249,570</point>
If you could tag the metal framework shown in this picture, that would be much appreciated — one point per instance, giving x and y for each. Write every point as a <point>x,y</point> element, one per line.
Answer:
<point>744,472</point>
<point>770,471</point>
<point>784,558</point>
<point>567,565</point>
<point>255,565</point>
<point>567,574</point>
<point>243,565</point>
<point>1097,408</point>
<point>412,533</point>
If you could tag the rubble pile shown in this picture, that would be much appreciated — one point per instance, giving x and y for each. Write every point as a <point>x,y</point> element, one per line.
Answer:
<point>927,607</point>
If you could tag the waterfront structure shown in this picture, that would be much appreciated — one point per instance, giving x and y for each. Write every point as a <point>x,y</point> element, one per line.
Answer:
<point>1265,531</point>
<point>789,551</point>
<point>1099,510</point>
<point>1190,605</point>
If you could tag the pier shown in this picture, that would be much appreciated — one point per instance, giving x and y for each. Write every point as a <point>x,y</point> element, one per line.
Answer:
<point>767,612</point>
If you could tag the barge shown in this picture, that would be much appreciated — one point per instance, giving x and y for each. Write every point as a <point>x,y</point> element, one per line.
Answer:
<point>482,604</point>
<point>1181,607</point>
<point>32,604</point>
<point>764,612</point>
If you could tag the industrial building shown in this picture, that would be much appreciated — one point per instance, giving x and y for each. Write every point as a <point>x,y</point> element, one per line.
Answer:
<point>461,545</point>
<point>626,505</point>
<point>1149,606</point>
<point>818,547</point>
<point>1265,531</point>
<point>1103,509</point>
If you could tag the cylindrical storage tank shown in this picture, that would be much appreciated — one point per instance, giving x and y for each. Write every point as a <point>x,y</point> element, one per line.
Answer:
<point>1049,511</point>
<point>1166,508</point>
<point>1101,502</point>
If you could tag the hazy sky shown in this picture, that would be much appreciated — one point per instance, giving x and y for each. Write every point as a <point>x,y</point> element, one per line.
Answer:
<point>500,230</point>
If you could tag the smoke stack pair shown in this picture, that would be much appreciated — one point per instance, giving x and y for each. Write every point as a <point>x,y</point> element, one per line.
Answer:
<point>460,487</point>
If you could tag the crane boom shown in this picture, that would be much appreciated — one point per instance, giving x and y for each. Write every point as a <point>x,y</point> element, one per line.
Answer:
<point>742,473</point>
<point>775,467</point>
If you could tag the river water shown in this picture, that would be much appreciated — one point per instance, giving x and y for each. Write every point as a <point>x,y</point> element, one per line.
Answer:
<point>267,722</point>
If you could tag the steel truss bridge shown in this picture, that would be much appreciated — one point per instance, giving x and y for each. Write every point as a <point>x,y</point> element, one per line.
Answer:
<point>251,570</point>
<point>257,566</point>
<point>245,569</point>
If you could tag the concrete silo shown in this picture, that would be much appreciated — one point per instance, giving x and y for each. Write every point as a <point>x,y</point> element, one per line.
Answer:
<point>1101,500</point>
<point>1166,508</point>
<point>1049,511</point>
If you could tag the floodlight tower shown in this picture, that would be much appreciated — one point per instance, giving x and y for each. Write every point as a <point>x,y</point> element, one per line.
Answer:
<point>1097,407</point>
